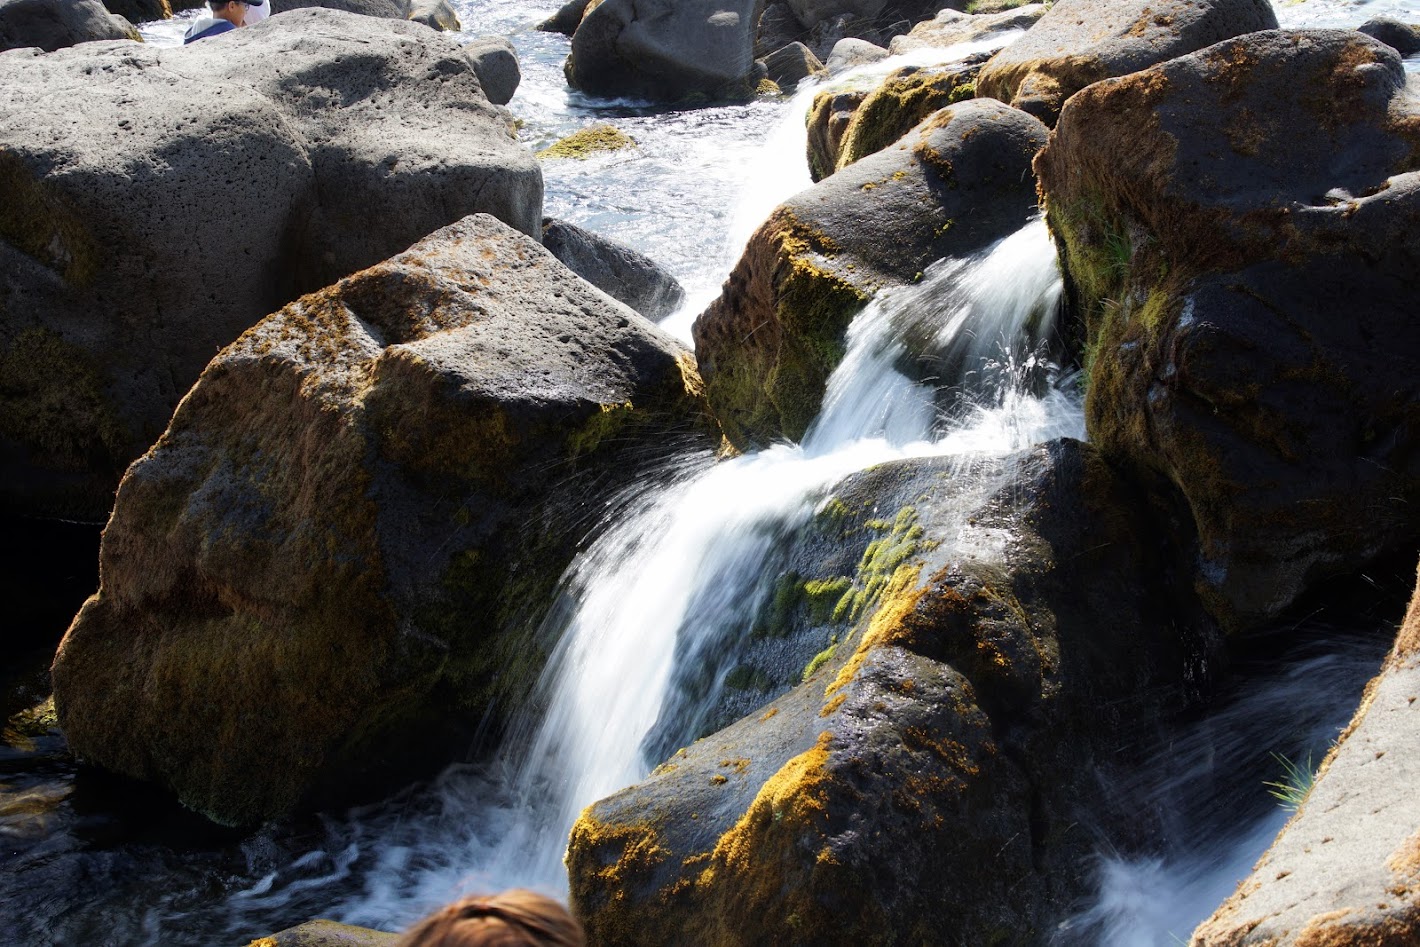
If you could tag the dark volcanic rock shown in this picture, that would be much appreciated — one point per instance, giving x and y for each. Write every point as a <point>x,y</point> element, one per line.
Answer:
<point>335,556</point>
<point>1241,233</point>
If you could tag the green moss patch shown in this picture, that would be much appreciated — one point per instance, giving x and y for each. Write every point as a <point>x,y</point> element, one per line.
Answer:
<point>898,105</point>
<point>594,139</point>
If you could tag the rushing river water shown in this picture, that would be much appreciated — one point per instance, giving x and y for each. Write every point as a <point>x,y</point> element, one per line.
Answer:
<point>87,863</point>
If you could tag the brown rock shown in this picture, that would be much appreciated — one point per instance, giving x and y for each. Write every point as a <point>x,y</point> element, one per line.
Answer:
<point>328,569</point>
<point>1083,41</point>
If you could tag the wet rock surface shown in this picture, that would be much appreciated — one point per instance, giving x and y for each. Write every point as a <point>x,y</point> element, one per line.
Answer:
<point>955,183</point>
<point>1345,871</point>
<point>926,780</point>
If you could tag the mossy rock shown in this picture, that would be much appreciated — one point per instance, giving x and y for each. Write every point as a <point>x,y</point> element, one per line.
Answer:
<point>589,141</point>
<point>1206,263</point>
<point>1080,42</point>
<point>926,781</point>
<point>901,102</point>
<point>350,531</point>
<point>956,183</point>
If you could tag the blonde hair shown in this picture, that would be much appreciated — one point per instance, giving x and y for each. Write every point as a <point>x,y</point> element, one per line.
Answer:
<point>515,918</point>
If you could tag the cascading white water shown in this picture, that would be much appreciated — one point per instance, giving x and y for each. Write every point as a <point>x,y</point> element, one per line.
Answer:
<point>1207,786</point>
<point>682,576</point>
<point>688,565</point>
<point>777,170</point>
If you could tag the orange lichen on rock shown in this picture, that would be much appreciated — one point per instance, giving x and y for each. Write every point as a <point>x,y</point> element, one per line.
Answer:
<point>886,627</point>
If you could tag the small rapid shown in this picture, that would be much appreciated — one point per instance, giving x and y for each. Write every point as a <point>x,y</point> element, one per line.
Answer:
<point>675,583</point>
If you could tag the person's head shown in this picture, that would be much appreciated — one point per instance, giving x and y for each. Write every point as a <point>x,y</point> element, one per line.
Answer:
<point>233,11</point>
<point>514,918</point>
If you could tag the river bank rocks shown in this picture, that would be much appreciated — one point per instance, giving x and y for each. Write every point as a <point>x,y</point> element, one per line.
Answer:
<point>619,271</point>
<point>1246,283</point>
<point>666,50</point>
<point>1345,871</point>
<point>161,201</point>
<point>54,24</point>
<point>1083,41</point>
<point>951,186</point>
<point>334,558</point>
<point>983,638</point>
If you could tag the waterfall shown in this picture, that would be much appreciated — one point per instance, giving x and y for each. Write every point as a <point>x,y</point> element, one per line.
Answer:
<point>674,577</point>
<point>678,580</point>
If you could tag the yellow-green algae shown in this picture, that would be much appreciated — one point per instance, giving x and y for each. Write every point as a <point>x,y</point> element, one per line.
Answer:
<point>896,106</point>
<point>592,140</point>
<point>770,377</point>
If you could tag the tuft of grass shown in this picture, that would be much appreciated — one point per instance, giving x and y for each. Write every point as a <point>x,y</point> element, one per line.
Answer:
<point>1296,783</point>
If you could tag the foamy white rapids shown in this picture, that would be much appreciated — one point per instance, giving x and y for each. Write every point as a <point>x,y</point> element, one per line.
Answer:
<point>779,170</point>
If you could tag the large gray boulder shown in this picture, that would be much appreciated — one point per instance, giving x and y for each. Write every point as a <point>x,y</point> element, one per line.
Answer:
<point>327,572</point>
<point>1240,230</point>
<point>953,656</point>
<point>53,24</point>
<point>666,50</point>
<point>1083,41</point>
<point>496,63</point>
<point>957,182</point>
<point>1345,872</point>
<point>619,271</point>
<point>149,219</point>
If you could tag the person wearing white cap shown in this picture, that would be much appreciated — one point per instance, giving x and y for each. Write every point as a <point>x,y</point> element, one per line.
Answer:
<point>226,16</point>
<point>256,12</point>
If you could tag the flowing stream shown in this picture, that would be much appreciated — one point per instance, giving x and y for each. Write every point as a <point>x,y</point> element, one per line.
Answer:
<point>956,365</point>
